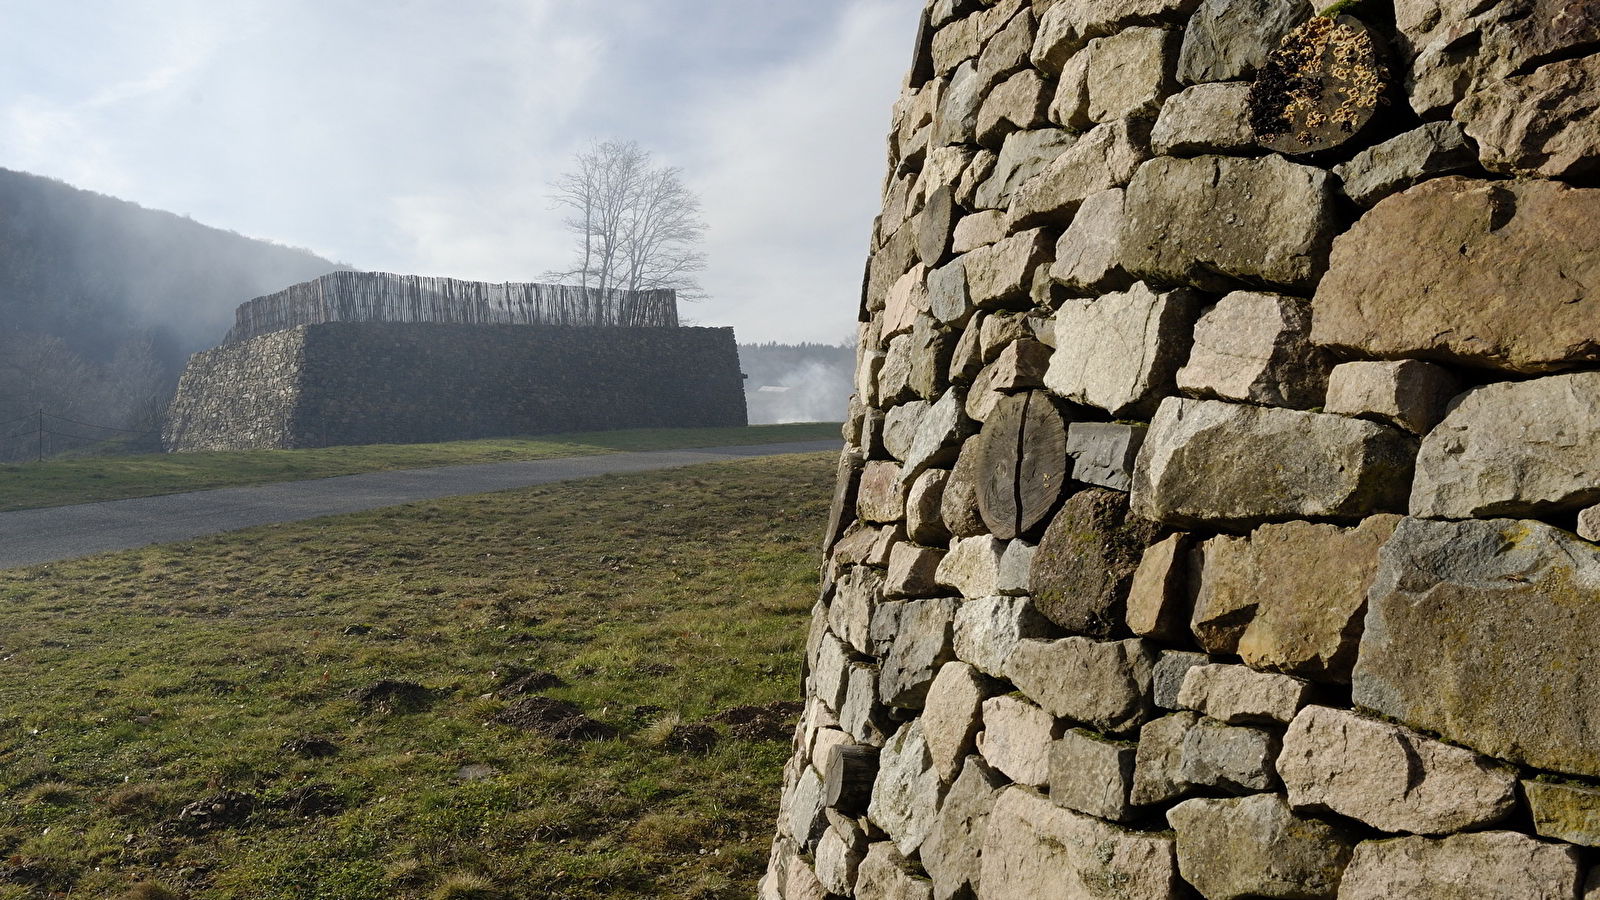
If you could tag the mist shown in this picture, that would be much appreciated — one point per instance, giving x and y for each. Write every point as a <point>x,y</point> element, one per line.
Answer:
<point>797,382</point>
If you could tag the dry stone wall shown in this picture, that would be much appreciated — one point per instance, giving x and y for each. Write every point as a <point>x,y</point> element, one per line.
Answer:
<point>1218,515</point>
<point>387,382</point>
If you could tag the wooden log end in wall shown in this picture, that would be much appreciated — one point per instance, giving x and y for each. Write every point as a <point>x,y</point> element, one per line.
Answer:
<point>847,779</point>
<point>1320,88</point>
<point>1025,464</point>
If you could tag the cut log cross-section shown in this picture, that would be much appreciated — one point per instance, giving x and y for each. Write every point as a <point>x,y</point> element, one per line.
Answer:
<point>1025,464</point>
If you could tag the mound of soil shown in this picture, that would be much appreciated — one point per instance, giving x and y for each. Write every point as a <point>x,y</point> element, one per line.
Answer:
<point>223,810</point>
<point>696,738</point>
<point>554,719</point>
<point>520,683</point>
<point>773,722</point>
<point>390,696</point>
<point>310,747</point>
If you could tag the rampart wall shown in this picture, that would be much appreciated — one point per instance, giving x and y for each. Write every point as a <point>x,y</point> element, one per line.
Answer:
<point>1218,516</point>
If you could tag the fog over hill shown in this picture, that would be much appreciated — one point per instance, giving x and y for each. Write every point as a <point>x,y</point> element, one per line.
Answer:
<point>797,382</point>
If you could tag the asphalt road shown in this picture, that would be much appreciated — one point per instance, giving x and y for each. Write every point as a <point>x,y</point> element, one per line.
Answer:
<point>32,536</point>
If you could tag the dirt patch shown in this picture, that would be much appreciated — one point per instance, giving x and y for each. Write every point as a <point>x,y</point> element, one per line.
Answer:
<point>521,682</point>
<point>390,696</point>
<point>224,810</point>
<point>554,719</point>
<point>310,747</point>
<point>695,738</point>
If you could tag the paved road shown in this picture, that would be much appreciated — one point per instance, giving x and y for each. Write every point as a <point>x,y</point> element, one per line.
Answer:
<point>33,536</point>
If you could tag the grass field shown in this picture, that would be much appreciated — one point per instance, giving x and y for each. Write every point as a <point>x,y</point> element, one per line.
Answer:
<point>363,706</point>
<point>56,482</point>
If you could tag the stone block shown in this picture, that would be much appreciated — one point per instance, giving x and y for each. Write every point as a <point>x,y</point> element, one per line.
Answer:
<point>1001,275</point>
<point>862,716</point>
<point>1103,453</point>
<point>923,501</point>
<point>1491,274</point>
<point>989,628</point>
<point>1255,846</point>
<point>1016,739</point>
<point>900,427</point>
<point>949,301</point>
<point>1017,104</point>
<point>972,567</point>
<point>1016,565</point>
<point>1589,524</point>
<point>1158,762</point>
<point>1503,608</point>
<point>1405,393</point>
<point>1512,449</point>
<point>921,644</point>
<point>911,572</point>
<point>1217,222</point>
<point>885,874</point>
<point>1033,848</point>
<point>1069,108</point>
<point>1085,563</point>
<point>1255,347</point>
<point>1226,466</point>
<point>1104,158</point>
<point>1540,124</point>
<point>982,228</point>
<point>1006,53</point>
<point>1159,603</point>
<point>1092,774</point>
<point>1024,155</point>
<point>1121,352</point>
<point>806,821</point>
<point>1020,366</point>
<point>881,497</point>
<point>1105,686</point>
<point>1238,694</point>
<point>830,673</point>
<point>907,792</point>
<point>1131,72</point>
<point>894,375</point>
<point>1167,677</point>
<point>1089,253</point>
<point>907,298</point>
<point>953,714</point>
<point>1206,118</point>
<point>1234,759</point>
<point>1404,161</point>
<point>1462,867</point>
<point>1565,812</point>
<point>1390,777</point>
<point>950,853</point>
<point>958,508</point>
<point>1229,40</point>
<point>955,44</point>
<point>837,863</point>
<point>802,883</point>
<point>999,331</point>
<point>940,432</point>
<point>931,348</point>
<point>982,166</point>
<point>860,590</point>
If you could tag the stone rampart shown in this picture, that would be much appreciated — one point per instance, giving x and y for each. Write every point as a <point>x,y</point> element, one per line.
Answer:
<point>1218,516</point>
<point>386,382</point>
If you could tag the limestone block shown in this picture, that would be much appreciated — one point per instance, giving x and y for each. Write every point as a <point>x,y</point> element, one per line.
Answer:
<point>1255,846</point>
<point>1024,155</point>
<point>900,427</point>
<point>1512,449</point>
<point>950,853</point>
<point>1254,347</point>
<point>999,331</point>
<point>1016,566</point>
<point>822,744</point>
<point>1089,253</point>
<point>1092,774</point>
<point>1229,40</point>
<point>989,628</point>
<point>869,370</point>
<point>1235,759</point>
<point>1103,453</point>
<point>1565,812</point>
<point>891,260</point>
<point>1104,158</point>
<point>830,674</point>
<point>907,297</point>
<point>972,567</point>
<point>802,883</point>
<point>1589,524</point>
<point>911,572</point>
<point>1216,221</point>
<point>939,435</point>
<point>1033,848</point>
<point>1105,686</point>
<point>837,863</point>
<point>881,498</point>
<point>1085,563</point>
<point>921,645</point>
<point>1406,393</point>
<point>1006,53</point>
<point>983,163</point>
<point>1206,118</point>
<point>1238,694</point>
<point>982,228</point>
<point>1001,274</point>
<point>1462,867</point>
<point>1501,606</point>
<point>1291,597</point>
<point>862,716</point>
<point>954,44</point>
<point>931,347</point>
<point>1016,739</point>
<point>1067,26</point>
<point>1158,762</point>
<point>906,794</point>
<point>1158,605</point>
<point>1017,104</point>
<point>1121,352</point>
<point>982,398</point>
<point>949,301</point>
<point>885,627</point>
<point>958,508</point>
<point>1540,124</point>
<point>806,820</point>
<point>1437,148</point>
<point>923,502</point>
<point>1171,669</point>
<point>894,378</point>
<point>1020,366</point>
<point>883,546</point>
<point>1132,72</point>
<point>1227,466</point>
<point>850,614</point>
<point>952,715</point>
<point>885,874</point>
<point>1069,108</point>
<point>1492,274</point>
<point>1389,777</point>
<point>1059,38</point>
<point>942,170</point>
<point>956,119</point>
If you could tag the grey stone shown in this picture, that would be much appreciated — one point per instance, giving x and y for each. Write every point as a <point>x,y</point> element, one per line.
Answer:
<point>1513,449</point>
<point>1103,453</point>
<point>953,714</point>
<point>1121,352</point>
<point>900,428</point>
<point>1092,774</point>
<point>1159,604</point>
<point>806,821</point>
<point>837,863</point>
<point>1169,673</point>
<point>1235,759</point>
<point>1158,763</point>
<point>981,167</point>
<point>1089,254</point>
<point>881,497</point>
<point>1104,158</point>
<point>956,46</point>
<point>958,508</point>
<point>982,228</point>
<point>1024,155</point>
<point>802,883</point>
<point>1589,524</point>
<point>885,874</point>
<point>885,629</point>
<point>1015,566</point>
<point>1069,108</point>
<point>1389,777</point>
<point>1007,51</point>
<point>948,299</point>
<point>907,792</point>
<point>1405,393</point>
<point>830,674</point>
<point>972,567</point>
<point>1540,124</point>
<point>862,716</point>
<point>1239,695</point>
<point>939,435</point>
<point>1565,812</point>
<point>1085,563</point>
<point>951,851</point>
<point>1229,40</point>
<point>1001,274</point>
<point>1067,26</point>
<point>1206,118</point>
<point>1016,739</point>
<point>1462,867</point>
<point>1131,72</point>
<point>911,572</point>
<point>1105,686</point>
<point>999,331</point>
<point>921,645</point>
<point>850,614</point>
<point>907,298</point>
<point>1018,104</point>
<point>1033,848</point>
<point>1437,148</point>
<point>989,628</point>
<point>1227,466</point>
<point>1214,222</point>
<point>1020,366</point>
<point>1503,608</point>
<point>1255,348</point>
<point>931,347</point>
<point>923,501</point>
<point>956,120</point>
<point>894,378</point>
<point>1255,846</point>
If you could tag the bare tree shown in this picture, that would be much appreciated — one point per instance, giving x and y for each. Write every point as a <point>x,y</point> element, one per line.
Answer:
<point>637,225</point>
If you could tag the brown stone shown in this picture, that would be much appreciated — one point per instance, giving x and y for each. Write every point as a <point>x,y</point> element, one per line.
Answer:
<point>958,508</point>
<point>1000,275</point>
<point>1158,596</point>
<point>1033,848</point>
<point>881,497</point>
<point>1256,847</point>
<point>1085,563</point>
<point>1462,867</point>
<point>1018,104</point>
<point>1565,812</point>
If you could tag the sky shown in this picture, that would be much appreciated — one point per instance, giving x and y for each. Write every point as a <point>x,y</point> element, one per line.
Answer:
<point>422,136</point>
